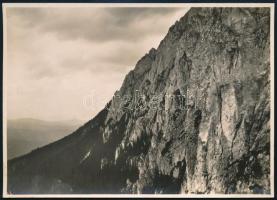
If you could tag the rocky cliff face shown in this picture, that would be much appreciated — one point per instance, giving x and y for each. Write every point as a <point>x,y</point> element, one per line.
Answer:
<point>192,117</point>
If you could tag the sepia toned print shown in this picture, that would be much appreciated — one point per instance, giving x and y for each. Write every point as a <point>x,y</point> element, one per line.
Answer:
<point>169,100</point>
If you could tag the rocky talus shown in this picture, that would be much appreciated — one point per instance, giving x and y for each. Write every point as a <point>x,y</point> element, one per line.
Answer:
<point>191,117</point>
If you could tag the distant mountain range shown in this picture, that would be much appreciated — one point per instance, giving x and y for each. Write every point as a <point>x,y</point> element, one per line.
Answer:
<point>25,135</point>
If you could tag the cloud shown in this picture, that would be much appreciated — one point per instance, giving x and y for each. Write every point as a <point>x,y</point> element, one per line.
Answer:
<point>95,24</point>
<point>58,56</point>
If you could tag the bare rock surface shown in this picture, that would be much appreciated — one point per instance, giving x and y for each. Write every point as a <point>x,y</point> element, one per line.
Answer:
<point>192,117</point>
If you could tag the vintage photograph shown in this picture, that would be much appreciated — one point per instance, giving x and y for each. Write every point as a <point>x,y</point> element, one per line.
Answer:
<point>138,100</point>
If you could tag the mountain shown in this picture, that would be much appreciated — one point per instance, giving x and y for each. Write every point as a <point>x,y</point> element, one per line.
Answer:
<point>191,117</point>
<point>24,135</point>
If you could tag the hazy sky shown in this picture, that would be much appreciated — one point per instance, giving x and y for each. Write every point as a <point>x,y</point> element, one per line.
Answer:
<point>66,63</point>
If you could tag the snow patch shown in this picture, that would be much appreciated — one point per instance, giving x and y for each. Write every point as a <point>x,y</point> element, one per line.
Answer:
<point>203,135</point>
<point>86,156</point>
<point>229,112</point>
<point>204,131</point>
<point>116,154</point>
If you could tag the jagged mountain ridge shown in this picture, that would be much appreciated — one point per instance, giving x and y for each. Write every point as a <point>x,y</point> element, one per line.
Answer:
<point>192,117</point>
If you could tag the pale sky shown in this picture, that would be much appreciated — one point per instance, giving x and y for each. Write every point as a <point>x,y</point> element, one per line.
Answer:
<point>66,63</point>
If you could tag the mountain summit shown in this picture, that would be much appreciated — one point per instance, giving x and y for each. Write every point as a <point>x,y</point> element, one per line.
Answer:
<point>192,117</point>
